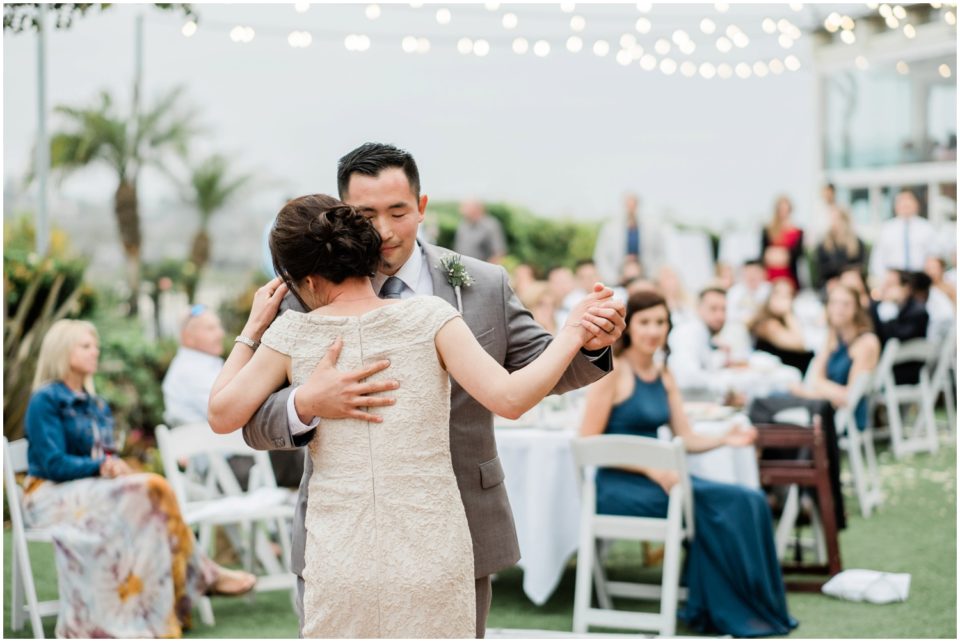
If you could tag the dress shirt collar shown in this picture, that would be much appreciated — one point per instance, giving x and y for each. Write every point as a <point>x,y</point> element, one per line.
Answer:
<point>409,272</point>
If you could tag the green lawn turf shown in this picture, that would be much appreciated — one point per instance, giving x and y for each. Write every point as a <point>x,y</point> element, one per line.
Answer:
<point>913,532</point>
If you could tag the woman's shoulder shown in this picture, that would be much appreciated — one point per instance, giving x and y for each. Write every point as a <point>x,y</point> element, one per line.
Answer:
<point>866,344</point>
<point>51,392</point>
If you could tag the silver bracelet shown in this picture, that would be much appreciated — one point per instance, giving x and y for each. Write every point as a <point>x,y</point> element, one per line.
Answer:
<point>247,341</point>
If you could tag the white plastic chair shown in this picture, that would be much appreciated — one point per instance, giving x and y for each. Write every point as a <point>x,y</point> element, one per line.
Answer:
<point>859,447</point>
<point>944,377</point>
<point>261,508</point>
<point>923,434</point>
<point>23,590</point>
<point>606,451</point>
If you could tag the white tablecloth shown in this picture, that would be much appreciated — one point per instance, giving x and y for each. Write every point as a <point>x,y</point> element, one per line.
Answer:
<point>545,495</point>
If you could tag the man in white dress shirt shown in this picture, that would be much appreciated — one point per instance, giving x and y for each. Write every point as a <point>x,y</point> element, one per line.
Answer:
<point>187,384</point>
<point>695,349</point>
<point>905,241</point>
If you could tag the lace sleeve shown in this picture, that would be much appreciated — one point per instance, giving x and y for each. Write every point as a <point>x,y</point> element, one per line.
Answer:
<point>441,312</point>
<point>279,336</point>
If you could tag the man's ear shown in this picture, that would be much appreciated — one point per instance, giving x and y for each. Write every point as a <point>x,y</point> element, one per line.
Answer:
<point>422,206</point>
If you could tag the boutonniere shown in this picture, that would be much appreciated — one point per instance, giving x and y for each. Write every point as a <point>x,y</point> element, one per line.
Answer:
<point>457,275</point>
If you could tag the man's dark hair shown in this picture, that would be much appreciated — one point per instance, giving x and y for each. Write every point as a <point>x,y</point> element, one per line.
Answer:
<point>753,262</point>
<point>714,289</point>
<point>579,264</point>
<point>831,187</point>
<point>372,158</point>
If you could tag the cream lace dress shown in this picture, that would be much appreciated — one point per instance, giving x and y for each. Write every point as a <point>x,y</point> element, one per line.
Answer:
<point>388,550</point>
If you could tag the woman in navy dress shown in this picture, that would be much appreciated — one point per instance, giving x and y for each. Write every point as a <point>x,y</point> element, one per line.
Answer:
<point>732,573</point>
<point>851,349</point>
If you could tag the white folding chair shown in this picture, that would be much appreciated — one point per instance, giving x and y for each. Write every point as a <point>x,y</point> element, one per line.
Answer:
<point>859,446</point>
<point>923,433</point>
<point>605,451</point>
<point>21,573</point>
<point>943,379</point>
<point>261,509</point>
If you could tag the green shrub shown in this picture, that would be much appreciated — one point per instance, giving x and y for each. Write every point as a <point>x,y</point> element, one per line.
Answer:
<point>540,242</point>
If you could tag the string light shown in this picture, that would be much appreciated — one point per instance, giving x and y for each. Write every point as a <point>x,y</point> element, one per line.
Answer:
<point>568,7</point>
<point>643,25</point>
<point>578,23</point>
<point>423,45</point>
<point>760,69</point>
<point>945,70</point>
<point>520,46</point>
<point>301,7</point>
<point>899,12</point>
<point>636,52</point>
<point>688,69</point>
<point>574,44</point>
<point>688,47</point>
<point>785,41</point>
<point>510,21</point>
<point>796,6</point>
<point>950,18</point>
<point>768,25</point>
<point>189,28</point>
<point>465,46</point>
<point>741,40</point>
<point>743,70</point>
<point>242,34</point>
<point>848,37</point>
<point>776,67</point>
<point>903,68</point>
<point>885,11</point>
<point>648,62</point>
<point>299,39</point>
<point>724,71</point>
<point>721,7</point>
<point>627,40</point>
<point>662,46</point>
<point>892,23</point>
<point>601,48</point>
<point>372,11</point>
<point>481,48</point>
<point>668,66</point>
<point>492,6</point>
<point>861,63</point>
<point>707,70</point>
<point>792,62</point>
<point>708,27</point>
<point>623,57</point>
<point>832,22</point>
<point>644,7</point>
<point>541,48</point>
<point>909,31</point>
<point>679,37</point>
<point>443,16</point>
<point>724,45</point>
<point>355,42</point>
<point>409,44</point>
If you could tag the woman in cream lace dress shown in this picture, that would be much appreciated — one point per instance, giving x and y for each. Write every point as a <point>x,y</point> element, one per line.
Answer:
<point>388,548</point>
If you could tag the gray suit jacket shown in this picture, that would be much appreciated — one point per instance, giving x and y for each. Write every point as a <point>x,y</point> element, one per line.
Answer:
<point>507,331</point>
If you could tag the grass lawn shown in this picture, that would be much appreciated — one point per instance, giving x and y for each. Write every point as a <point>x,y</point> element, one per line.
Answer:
<point>913,532</point>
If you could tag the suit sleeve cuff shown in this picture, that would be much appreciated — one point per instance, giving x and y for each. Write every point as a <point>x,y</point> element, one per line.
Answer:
<point>296,426</point>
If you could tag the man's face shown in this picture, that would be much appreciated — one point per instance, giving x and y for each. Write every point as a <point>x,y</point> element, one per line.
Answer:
<point>713,311</point>
<point>906,204</point>
<point>753,276</point>
<point>472,210</point>
<point>204,333</point>
<point>390,204</point>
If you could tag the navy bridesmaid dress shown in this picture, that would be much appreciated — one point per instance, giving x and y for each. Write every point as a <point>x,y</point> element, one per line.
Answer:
<point>732,573</point>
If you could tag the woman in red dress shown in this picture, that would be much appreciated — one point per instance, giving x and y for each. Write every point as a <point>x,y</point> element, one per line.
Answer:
<point>782,244</point>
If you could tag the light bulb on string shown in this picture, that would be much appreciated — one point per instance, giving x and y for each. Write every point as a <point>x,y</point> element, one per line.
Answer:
<point>861,63</point>
<point>909,31</point>
<point>769,26</point>
<point>301,7</point>
<point>950,18</point>
<point>644,7</point>
<point>574,44</point>
<point>708,26</point>
<point>627,40</point>
<point>520,46</point>
<point>945,71</point>
<point>662,46</point>
<point>423,45</point>
<point>601,48</point>
<point>643,25</point>
<point>465,46</point>
<point>189,28</point>
<point>541,48</point>
<point>578,23</point>
<point>760,69</point>
<point>648,62</point>
<point>679,37</point>
<point>721,7</point>
<point>568,7</point>
<point>903,68</point>
<point>743,70</point>
<point>509,21</point>
<point>372,11</point>
<point>848,37</point>
<point>688,69</point>
<point>724,71</point>
<point>707,70</point>
<point>776,67</point>
<point>688,47</point>
<point>668,66</point>
<point>491,6</point>
<point>899,12</point>
<point>409,44</point>
<point>481,47</point>
<point>785,41</point>
<point>724,45</point>
<point>792,63</point>
<point>444,16</point>
<point>623,57</point>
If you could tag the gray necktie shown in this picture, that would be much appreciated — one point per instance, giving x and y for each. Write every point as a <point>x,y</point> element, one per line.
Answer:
<point>391,288</point>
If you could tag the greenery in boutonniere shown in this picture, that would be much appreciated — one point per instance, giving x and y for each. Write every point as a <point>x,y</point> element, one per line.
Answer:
<point>455,271</point>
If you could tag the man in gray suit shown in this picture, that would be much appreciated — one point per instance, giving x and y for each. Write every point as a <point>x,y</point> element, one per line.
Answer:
<point>384,184</point>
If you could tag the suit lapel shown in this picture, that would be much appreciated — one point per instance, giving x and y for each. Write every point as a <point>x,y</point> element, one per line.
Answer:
<point>441,287</point>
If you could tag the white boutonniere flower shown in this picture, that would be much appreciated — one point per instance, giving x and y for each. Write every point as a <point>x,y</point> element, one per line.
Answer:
<point>457,275</point>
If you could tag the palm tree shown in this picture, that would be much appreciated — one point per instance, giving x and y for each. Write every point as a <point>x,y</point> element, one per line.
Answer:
<point>212,185</point>
<point>98,135</point>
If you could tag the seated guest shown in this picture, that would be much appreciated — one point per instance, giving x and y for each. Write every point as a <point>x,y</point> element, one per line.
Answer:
<point>561,283</point>
<point>631,271</point>
<point>900,313</point>
<point>186,391</point>
<point>905,241</point>
<point>839,249</point>
<point>695,349</point>
<point>776,329</point>
<point>584,276</point>
<point>941,301</point>
<point>853,278</point>
<point>681,305</point>
<point>186,386</point>
<point>850,350</point>
<point>119,534</point>
<point>538,298</point>
<point>523,277</point>
<point>732,572</point>
<point>748,294</point>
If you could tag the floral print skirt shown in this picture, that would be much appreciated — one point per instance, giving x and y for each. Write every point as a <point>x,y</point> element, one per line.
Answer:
<point>128,565</point>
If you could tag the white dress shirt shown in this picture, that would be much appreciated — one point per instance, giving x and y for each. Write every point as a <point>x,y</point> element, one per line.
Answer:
<point>187,385</point>
<point>692,359</point>
<point>904,244</point>
<point>415,275</point>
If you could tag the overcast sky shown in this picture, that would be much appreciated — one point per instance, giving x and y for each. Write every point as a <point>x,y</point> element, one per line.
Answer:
<point>564,135</point>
